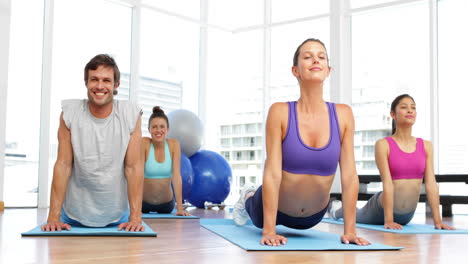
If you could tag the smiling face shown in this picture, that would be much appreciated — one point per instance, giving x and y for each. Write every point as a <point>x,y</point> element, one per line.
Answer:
<point>405,112</point>
<point>101,85</point>
<point>158,129</point>
<point>312,63</point>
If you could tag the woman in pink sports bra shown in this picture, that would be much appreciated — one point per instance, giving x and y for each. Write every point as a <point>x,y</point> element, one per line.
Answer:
<point>403,162</point>
<point>305,141</point>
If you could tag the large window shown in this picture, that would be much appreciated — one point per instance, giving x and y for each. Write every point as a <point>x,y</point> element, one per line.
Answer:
<point>234,94</point>
<point>364,3</point>
<point>23,107</point>
<point>389,57</point>
<point>235,15</point>
<point>244,63</point>
<point>296,9</point>
<point>453,140</point>
<point>168,64</point>
<point>234,89</point>
<point>188,8</point>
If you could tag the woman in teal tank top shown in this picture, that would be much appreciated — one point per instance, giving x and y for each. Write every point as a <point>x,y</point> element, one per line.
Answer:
<point>162,168</point>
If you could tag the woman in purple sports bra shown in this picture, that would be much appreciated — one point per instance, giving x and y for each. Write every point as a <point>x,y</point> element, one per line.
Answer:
<point>403,162</point>
<point>305,141</point>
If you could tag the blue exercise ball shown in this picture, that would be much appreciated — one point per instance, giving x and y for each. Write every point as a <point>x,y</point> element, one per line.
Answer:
<point>212,178</point>
<point>186,172</point>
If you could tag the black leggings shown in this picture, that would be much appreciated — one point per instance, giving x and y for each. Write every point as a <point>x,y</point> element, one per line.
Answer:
<point>254,207</point>
<point>164,208</point>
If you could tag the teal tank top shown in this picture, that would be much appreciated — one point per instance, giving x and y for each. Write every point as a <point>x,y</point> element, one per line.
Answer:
<point>155,169</point>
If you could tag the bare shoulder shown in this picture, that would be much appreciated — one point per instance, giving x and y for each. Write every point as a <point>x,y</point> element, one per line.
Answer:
<point>278,107</point>
<point>381,144</point>
<point>172,142</point>
<point>278,114</point>
<point>145,141</point>
<point>344,110</point>
<point>427,144</point>
<point>345,118</point>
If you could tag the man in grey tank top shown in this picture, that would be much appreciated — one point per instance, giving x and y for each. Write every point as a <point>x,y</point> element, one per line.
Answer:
<point>98,174</point>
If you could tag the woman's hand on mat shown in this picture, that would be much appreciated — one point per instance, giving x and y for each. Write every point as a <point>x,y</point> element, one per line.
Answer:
<point>132,226</point>
<point>273,240</point>
<point>354,239</point>
<point>444,226</point>
<point>392,225</point>
<point>182,213</point>
<point>55,226</point>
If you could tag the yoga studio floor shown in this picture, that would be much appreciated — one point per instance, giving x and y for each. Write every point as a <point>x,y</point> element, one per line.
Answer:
<point>185,241</point>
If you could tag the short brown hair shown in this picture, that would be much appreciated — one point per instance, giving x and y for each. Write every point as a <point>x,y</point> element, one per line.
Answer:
<point>104,60</point>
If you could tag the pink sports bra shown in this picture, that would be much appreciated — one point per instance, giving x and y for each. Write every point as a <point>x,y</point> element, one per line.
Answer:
<point>405,165</point>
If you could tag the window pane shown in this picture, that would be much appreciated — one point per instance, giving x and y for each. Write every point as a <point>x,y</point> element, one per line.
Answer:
<point>190,8</point>
<point>363,3</point>
<point>168,64</point>
<point>384,66</point>
<point>77,39</point>
<point>453,142</point>
<point>293,9</point>
<point>23,105</point>
<point>235,14</point>
<point>235,99</point>
<point>284,42</point>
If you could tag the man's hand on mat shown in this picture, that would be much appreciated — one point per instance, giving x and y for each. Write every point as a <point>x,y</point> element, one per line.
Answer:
<point>273,240</point>
<point>444,226</point>
<point>182,213</point>
<point>352,238</point>
<point>55,226</point>
<point>392,225</point>
<point>132,226</point>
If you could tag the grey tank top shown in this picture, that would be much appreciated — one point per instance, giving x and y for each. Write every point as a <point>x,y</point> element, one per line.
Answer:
<point>97,189</point>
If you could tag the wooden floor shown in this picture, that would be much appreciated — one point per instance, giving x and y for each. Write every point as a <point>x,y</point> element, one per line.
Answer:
<point>184,241</point>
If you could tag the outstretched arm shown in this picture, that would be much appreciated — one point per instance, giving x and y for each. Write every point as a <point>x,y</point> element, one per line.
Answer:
<point>134,174</point>
<point>176,177</point>
<point>272,175</point>
<point>432,189</point>
<point>349,177</point>
<point>62,172</point>
<point>381,158</point>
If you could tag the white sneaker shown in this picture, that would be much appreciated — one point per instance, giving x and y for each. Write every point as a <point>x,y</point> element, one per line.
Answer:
<point>334,206</point>
<point>239,214</point>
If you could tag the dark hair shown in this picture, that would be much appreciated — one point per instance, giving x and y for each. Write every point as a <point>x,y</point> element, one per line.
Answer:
<point>102,60</point>
<point>158,113</point>
<point>298,50</point>
<point>395,102</point>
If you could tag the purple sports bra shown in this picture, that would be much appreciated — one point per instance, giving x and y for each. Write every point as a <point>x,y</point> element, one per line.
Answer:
<point>405,165</point>
<point>302,159</point>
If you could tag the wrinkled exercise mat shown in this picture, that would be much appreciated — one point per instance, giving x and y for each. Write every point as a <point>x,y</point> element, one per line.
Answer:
<point>167,216</point>
<point>407,229</point>
<point>248,237</point>
<point>92,231</point>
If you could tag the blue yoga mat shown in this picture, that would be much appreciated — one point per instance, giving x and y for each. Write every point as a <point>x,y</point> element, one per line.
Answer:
<point>167,216</point>
<point>248,237</point>
<point>407,229</point>
<point>92,231</point>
